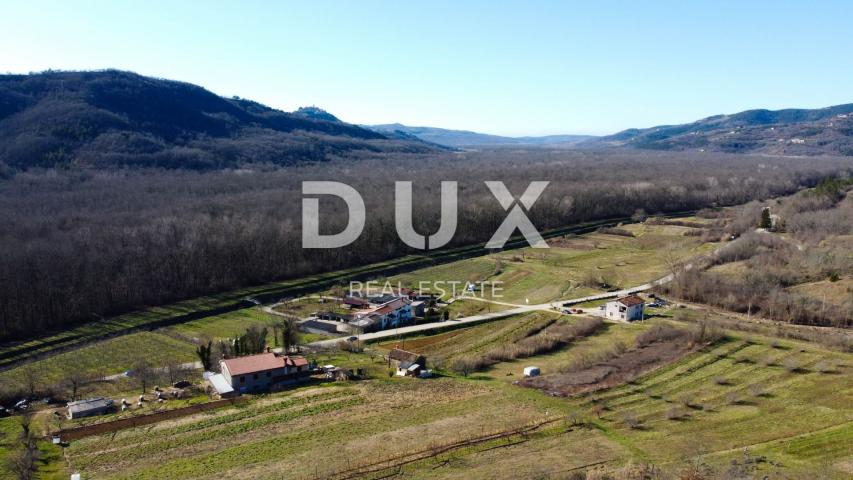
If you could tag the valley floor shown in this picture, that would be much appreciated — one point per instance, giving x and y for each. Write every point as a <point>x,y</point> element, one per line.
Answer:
<point>750,402</point>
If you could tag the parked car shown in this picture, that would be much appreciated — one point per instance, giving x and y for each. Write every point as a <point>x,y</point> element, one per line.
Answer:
<point>352,339</point>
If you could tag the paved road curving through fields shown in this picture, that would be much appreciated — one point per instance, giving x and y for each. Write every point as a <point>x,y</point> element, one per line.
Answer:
<point>487,317</point>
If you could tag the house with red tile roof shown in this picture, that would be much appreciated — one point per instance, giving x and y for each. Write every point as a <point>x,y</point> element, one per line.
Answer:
<point>626,309</point>
<point>257,373</point>
<point>406,363</point>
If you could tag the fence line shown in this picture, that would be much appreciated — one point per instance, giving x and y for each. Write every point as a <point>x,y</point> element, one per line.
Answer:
<point>84,431</point>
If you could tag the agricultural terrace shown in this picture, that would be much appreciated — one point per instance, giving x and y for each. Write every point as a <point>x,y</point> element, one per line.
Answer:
<point>787,402</point>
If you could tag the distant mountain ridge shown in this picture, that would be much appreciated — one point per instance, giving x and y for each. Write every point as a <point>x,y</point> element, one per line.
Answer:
<point>465,138</point>
<point>116,119</point>
<point>793,131</point>
<point>121,119</point>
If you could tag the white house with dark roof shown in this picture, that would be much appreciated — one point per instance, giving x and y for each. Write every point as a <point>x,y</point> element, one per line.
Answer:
<point>626,309</point>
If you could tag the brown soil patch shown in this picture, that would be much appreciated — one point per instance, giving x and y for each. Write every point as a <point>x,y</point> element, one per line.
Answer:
<point>613,372</point>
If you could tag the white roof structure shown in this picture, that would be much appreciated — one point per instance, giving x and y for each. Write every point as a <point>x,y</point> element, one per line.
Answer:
<point>364,322</point>
<point>220,384</point>
<point>90,404</point>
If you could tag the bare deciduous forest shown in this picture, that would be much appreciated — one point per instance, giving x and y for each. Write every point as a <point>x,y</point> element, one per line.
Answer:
<point>772,264</point>
<point>81,243</point>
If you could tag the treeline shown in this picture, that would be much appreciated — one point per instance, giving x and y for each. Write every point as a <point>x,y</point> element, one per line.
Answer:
<point>769,300</point>
<point>78,245</point>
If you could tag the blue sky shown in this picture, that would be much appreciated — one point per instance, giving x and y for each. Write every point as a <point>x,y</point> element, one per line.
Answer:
<point>514,68</point>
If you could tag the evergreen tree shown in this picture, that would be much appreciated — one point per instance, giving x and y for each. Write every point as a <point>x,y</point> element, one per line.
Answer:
<point>766,221</point>
<point>203,352</point>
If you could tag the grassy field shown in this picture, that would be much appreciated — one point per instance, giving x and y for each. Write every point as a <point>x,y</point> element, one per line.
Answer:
<point>762,403</point>
<point>468,341</point>
<point>791,420</point>
<point>227,325</point>
<point>566,269</point>
<point>468,307</point>
<point>836,292</point>
<point>159,348</point>
<point>786,402</point>
<point>50,465</point>
<point>13,352</point>
<point>526,275</point>
<point>307,306</point>
<point>109,357</point>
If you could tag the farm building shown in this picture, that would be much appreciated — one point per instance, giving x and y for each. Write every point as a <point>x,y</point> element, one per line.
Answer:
<point>336,317</point>
<point>406,363</point>
<point>418,308</point>
<point>255,373</point>
<point>89,407</point>
<point>627,309</point>
<point>355,302</point>
<point>219,384</point>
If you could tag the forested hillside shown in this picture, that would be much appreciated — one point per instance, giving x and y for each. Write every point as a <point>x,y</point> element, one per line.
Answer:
<point>823,131</point>
<point>115,119</point>
<point>81,244</point>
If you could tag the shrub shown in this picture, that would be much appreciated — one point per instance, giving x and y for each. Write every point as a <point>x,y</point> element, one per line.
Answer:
<point>465,365</point>
<point>617,231</point>
<point>722,381</point>
<point>743,359</point>
<point>631,420</point>
<point>757,390</point>
<point>768,361</point>
<point>651,394</point>
<point>706,331</point>
<point>588,357</point>
<point>542,340</point>
<point>618,347</point>
<point>675,414</point>
<point>690,402</point>
<point>826,367</point>
<point>792,365</point>
<point>659,333</point>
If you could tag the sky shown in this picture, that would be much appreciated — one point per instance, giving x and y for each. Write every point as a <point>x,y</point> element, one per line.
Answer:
<point>508,68</point>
